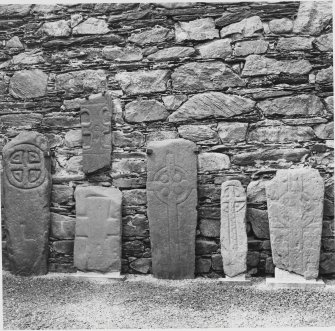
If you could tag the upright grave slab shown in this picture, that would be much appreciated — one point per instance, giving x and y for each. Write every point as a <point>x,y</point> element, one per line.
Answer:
<point>95,116</point>
<point>172,201</point>
<point>295,207</point>
<point>27,190</point>
<point>233,233</point>
<point>97,245</point>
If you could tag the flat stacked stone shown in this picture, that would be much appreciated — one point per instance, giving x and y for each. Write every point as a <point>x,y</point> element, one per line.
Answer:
<point>97,245</point>
<point>233,233</point>
<point>295,208</point>
<point>27,190</point>
<point>172,214</point>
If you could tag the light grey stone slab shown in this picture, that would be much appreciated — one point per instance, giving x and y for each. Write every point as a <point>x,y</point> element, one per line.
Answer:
<point>172,200</point>
<point>295,209</point>
<point>97,245</point>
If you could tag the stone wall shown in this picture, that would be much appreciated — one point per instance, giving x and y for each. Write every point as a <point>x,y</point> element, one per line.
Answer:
<point>250,83</point>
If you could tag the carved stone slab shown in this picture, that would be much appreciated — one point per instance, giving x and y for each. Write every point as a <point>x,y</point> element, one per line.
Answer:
<point>95,115</point>
<point>27,190</point>
<point>295,208</point>
<point>97,245</point>
<point>233,233</point>
<point>172,201</point>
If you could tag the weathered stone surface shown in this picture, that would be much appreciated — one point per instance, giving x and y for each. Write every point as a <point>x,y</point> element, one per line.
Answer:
<point>217,263</point>
<point>196,76</point>
<point>82,81</point>
<point>28,58</point>
<point>325,76</point>
<point>145,111</point>
<point>14,42</point>
<point>132,248</point>
<point>324,43</point>
<point>27,188</point>
<point>97,245</point>
<point>152,36</point>
<point>134,197</point>
<point>212,104</point>
<point>243,48</point>
<point>122,54</point>
<point>73,138</point>
<point>160,135</point>
<point>172,102</point>
<point>96,116</point>
<point>60,120</point>
<point>233,233</point>
<point>313,17</point>
<point>327,263</point>
<point>200,29</point>
<point>259,222</point>
<point>325,131</point>
<point>295,205</point>
<point>172,200</point>
<point>202,265</point>
<point>210,228</point>
<point>288,154</point>
<point>257,65</point>
<point>232,132</point>
<point>294,44</point>
<point>131,139</point>
<point>205,247</point>
<point>143,82</point>
<point>91,26</point>
<point>256,192</point>
<point>198,133</point>
<point>63,247</point>
<point>303,104</point>
<point>304,121</point>
<point>21,120</point>
<point>135,226</point>
<point>57,28</point>
<point>172,53</point>
<point>174,5</point>
<point>62,227</point>
<point>281,134</point>
<point>244,28</point>
<point>142,265</point>
<point>281,25</point>
<point>61,193</point>
<point>19,10</point>
<point>213,162</point>
<point>28,84</point>
<point>215,49</point>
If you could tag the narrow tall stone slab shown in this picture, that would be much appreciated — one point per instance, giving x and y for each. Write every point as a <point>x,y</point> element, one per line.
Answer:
<point>295,208</point>
<point>95,117</point>
<point>233,233</point>
<point>172,201</point>
<point>97,245</point>
<point>27,190</point>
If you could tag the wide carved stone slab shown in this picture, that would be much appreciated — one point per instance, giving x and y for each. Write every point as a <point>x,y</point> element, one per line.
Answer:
<point>97,245</point>
<point>295,207</point>
<point>233,233</point>
<point>95,115</point>
<point>172,201</point>
<point>27,190</point>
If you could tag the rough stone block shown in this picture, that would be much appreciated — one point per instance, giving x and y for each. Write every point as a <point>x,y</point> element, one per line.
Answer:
<point>198,133</point>
<point>131,139</point>
<point>73,138</point>
<point>200,29</point>
<point>213,162</point>
<point>98,229</point>
<point>327,263</point>
<point>26,84</point>
<point>243,48</point>
<point>256,192</point>
<point>324,43</point>
<point>155,35</point>
<point>135,226</point>
<point>233,233</point>
<point>62,227</point>
<point>141,265</point>
<point>281,25</point>
<point>91,26</point>
<point>143,82</point>
<point>209,228</point>
<point>172,53</point>
<point>215,49</point>
<point>96,116</point>
<point>325,76</point>
<point>205,247</point>
<point>325,131</point>
<point>26,198</point>
<point>134,197</point>
<point>294,44</point>
<point>19,10</point>
<point>259,222</point>
<point>63,247</point>
<point>202,266</point>
<point>295,207</point>
<point>232,132</point>
<point>196,76</point>
<point>122,54</point>
<point>212,105</point>
<point>172,200</point>
<point>252,259</point>
<point>172,102</point>
<point>245,28</point>
<point>61,193</point>
<point>217,263</point>
<point>59,28</point>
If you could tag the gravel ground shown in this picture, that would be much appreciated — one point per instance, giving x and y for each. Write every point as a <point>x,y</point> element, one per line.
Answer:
<point>60,302</point>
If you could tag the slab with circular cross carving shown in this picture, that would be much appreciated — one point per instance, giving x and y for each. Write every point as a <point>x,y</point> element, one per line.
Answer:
<point>172,200</point>
<point>233,233</point>
<point>27,189</point>
<point>295,208</point>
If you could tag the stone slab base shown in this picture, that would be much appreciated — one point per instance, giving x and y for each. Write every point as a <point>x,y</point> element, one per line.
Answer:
<point>286,279</point>
<point>239,279</point>
<point>98,275</point>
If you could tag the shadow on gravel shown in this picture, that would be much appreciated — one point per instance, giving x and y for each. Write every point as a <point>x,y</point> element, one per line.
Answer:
<point>70,303</point>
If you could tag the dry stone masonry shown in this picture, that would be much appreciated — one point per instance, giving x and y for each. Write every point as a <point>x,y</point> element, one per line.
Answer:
<point>249,84</point>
